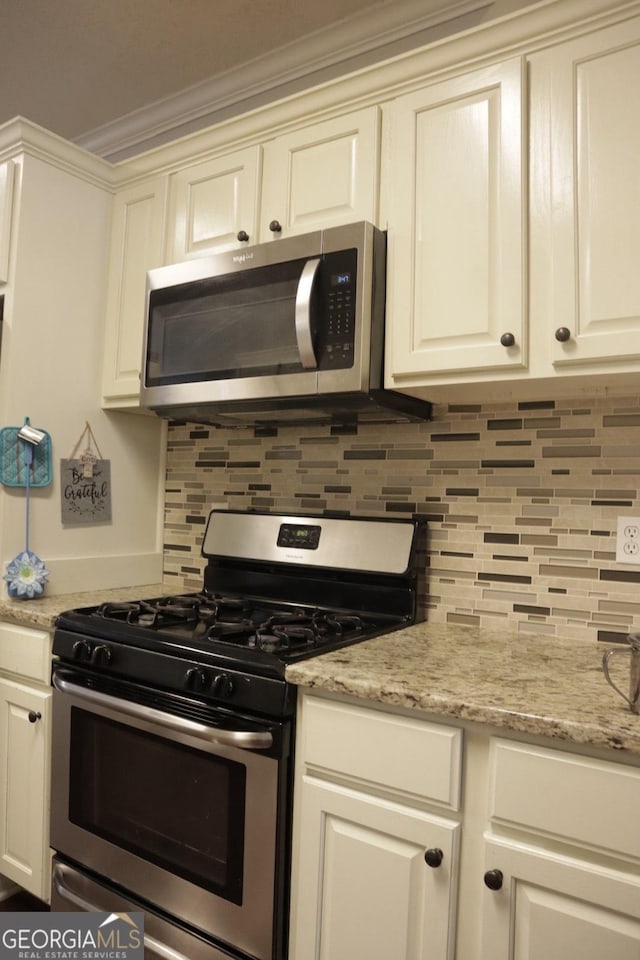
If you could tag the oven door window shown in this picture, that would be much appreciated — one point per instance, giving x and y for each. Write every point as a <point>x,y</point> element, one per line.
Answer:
<point>175,806</point>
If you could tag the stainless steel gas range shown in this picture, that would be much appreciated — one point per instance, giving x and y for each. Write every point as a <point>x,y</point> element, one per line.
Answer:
<point>173,726</point>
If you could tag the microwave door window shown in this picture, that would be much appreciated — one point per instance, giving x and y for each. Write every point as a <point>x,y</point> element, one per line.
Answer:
<point>239,325</point>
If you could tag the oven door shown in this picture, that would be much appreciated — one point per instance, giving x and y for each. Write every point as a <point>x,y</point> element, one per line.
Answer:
<point>182,805</point>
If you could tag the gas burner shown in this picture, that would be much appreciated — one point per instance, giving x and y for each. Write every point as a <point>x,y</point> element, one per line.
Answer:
<point>283,633</point>
<point>279,638</point>
<point>230,631</point>
<point>339,623</point>
<point>151,613</point>
<point>182,605</point>
<point>221,609</point>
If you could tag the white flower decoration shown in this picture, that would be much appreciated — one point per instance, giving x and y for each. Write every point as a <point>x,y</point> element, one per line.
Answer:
<point>26,576</point>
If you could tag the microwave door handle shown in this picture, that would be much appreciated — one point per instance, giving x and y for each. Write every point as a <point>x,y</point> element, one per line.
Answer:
<point>66,893</point>
<point>242,739</point>
<point>304,335</point>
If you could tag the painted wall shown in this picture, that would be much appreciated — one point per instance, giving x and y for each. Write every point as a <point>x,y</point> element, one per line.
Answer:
<point>522,499</point>
<point>50,371</point>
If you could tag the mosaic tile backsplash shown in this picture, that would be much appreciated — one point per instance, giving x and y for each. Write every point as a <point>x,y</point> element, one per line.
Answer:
<point>522,502</point>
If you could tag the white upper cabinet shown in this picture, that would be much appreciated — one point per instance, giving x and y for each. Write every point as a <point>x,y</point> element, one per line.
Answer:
<point>455,192</point>
<point>137,245</point>
<point>322,175</point>
<point>514,234</point>
<point>510,193</point>
<point>7,176</point>
<point>585,193</point>
<point>315,176</point>
<point>214,204</point>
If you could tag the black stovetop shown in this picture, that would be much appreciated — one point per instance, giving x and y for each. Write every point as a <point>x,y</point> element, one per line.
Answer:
<point>238,628</point>
<point>283,602</point>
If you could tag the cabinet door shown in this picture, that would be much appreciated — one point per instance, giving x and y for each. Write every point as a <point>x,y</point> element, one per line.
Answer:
<point>586,195</point>
<point>364,890</point>
<point>137,245</point>
<point>453,181</point>
<point>551,907</point>
<point>322,175</point>
<point>212,202</point>
<point>7,176</point>
<point>24,786</point>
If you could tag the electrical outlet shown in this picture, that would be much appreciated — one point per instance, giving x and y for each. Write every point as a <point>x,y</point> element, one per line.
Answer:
<point>628,540</point>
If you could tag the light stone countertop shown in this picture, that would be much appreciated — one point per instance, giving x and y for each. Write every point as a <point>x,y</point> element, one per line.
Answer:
<point>42,613</point>
<point>533,685</point>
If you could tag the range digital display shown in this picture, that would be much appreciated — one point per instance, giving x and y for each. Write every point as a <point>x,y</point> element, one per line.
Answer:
<point>301,536</point>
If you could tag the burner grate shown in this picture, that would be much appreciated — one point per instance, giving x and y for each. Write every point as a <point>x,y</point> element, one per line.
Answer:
<point>271,627</point>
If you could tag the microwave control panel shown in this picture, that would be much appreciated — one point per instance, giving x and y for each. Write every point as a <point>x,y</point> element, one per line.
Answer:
<point>336,336</point>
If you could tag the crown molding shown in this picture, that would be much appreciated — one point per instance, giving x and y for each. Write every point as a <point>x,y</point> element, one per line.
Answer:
<point>22,136</point>
<point>361,40</point>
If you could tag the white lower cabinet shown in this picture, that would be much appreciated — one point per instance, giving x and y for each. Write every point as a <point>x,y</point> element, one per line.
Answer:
<point>25,750</point>
<point>405,848</point>
<point>550,907</point>
<point>562,856</point>
<point>368,891</point>
<point>375,868</point>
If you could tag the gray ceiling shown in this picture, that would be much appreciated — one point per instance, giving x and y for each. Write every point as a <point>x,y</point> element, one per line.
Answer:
<point>74,65</point>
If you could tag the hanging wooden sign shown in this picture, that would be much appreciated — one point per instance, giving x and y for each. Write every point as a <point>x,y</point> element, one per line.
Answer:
<point>85,484</point>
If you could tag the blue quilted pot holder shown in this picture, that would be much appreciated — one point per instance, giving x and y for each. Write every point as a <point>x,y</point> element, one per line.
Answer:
<point>13,470</point>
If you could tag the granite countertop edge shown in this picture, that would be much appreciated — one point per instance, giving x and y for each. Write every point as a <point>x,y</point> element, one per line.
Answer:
<point>538,685</point>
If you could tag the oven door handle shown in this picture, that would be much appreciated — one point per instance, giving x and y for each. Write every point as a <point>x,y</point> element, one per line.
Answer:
<point>243,739</point>
<point>66,893</point>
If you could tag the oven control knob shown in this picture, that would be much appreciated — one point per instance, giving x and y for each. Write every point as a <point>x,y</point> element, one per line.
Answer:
<point>81,650</point>
<point>222,685</point>
<point>197,679</point>
<point>101,655</point>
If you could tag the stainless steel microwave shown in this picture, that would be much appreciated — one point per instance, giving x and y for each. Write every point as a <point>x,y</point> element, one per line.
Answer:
<point>289,330</point>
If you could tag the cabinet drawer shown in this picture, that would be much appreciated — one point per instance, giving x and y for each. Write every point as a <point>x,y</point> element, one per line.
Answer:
<point>399,754</point>
<point>25,652</point>
<point>565,796</point>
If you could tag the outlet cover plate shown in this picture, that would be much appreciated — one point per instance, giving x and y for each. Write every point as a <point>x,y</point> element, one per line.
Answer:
<point>628,540</point>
